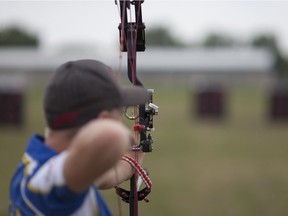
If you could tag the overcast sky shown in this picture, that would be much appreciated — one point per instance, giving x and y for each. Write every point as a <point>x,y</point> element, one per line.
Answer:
<point>95,22</point>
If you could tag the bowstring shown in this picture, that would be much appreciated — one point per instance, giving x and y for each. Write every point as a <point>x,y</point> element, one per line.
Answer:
<point>119,76</point>
<point>122,38</point>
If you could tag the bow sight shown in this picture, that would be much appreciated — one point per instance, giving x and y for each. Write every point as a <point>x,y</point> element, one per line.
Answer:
<point>150,111</point>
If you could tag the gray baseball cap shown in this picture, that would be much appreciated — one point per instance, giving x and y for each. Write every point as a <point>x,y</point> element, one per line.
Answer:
<point>79,90</point>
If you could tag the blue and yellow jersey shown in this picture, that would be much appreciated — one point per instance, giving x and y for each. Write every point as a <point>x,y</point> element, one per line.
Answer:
<point>38,186</point>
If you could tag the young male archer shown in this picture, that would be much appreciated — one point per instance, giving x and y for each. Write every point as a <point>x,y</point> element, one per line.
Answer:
<point>61,172</point>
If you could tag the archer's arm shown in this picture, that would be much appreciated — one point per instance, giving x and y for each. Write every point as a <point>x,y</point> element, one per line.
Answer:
<point>97,148</point>
<point>121,172</point>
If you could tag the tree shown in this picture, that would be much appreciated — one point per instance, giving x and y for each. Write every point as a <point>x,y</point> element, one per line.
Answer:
<point>161,36</point>
<point>16,36</point>
<point>218,40</point>
<point>269,42</point>
<point>266,40</point>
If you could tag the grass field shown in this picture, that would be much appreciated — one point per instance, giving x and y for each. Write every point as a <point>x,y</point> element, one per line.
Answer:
<point>235,167</point>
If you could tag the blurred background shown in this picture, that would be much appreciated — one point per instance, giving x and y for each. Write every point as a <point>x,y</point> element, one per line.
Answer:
<point>220,74</point>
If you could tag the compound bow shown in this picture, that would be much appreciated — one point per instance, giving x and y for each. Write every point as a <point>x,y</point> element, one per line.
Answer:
<point>132,40</point>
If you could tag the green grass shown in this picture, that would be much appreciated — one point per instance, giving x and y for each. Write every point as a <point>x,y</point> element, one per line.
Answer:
<point>202,168</point>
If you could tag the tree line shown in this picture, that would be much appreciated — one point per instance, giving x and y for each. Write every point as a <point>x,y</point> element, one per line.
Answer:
<point>17,36</point>
<point>160,36</point>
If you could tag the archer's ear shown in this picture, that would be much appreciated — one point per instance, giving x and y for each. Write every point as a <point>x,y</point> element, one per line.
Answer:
<point>104,114</point>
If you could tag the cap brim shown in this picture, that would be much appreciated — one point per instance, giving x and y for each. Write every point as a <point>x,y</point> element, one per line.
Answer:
<point>132,96</point>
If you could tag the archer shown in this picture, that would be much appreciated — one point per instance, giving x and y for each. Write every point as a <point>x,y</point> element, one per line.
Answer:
<point>82,149</point>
